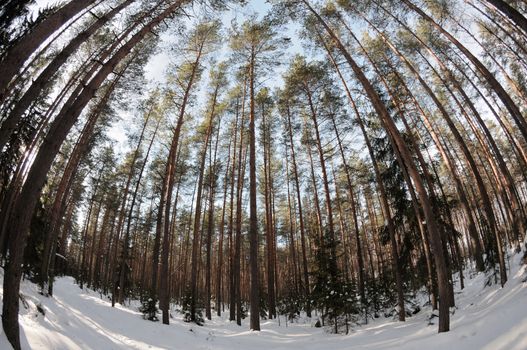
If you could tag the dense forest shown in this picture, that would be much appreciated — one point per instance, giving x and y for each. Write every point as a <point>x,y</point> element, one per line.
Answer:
<point>332,158</point>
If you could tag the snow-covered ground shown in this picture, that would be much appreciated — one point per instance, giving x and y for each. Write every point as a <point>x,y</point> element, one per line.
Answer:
<point>489,318</point>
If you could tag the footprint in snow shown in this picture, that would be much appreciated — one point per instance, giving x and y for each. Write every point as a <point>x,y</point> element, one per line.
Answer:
<point>211,336</point>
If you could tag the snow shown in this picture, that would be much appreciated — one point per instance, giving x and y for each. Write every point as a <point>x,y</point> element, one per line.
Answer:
<point>489,318</point>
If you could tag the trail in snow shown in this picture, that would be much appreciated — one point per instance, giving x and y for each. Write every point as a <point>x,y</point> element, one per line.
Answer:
<point>489,318</point>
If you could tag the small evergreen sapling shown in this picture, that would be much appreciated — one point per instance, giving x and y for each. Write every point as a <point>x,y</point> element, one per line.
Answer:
<point>149,309</point>
<point>186,307</point>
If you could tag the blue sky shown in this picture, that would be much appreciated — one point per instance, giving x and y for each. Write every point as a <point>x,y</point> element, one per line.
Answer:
<point>156,68</point>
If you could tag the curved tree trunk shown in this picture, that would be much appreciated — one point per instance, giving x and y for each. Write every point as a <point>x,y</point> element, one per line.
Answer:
<point>489,77</point>
<point>26,46</point>
<point>45,78</point>
<point>23,208</point>
<point>459,139</point>
<point>385,206</point>
<point>511,13</point>
<point>435,238</point>
<point>64,187</point>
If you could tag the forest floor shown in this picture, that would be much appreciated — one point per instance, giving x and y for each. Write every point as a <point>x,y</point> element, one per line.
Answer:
<point>489,318</point>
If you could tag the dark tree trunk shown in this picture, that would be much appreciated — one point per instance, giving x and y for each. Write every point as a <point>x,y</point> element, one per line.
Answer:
<point>385,206</point>
<point>398,142</point>
<point>253,214</point>
<point>45,78</point>
<point>510,12</point>
<point>18,54</point>
<point>23,208</point>
<point>300,213</point>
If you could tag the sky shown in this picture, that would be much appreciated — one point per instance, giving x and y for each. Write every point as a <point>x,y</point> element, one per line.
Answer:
<point>156,68</point>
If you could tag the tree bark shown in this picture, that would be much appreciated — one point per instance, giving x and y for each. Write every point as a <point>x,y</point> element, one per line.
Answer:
<point>45,78</point>
<point>511,13</point>
<point>507,101</point>
<point>20,218</point>
<point>253,214</point>
<point>385,206</point>
<point>27,45</point>
<point>300,213</point>
<point>398,142</point>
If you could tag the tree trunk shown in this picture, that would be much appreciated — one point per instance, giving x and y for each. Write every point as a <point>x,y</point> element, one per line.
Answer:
<point>253,214</point>
<point>398,142</point>
<point>219,267</point>
<point>385,206</point>
<point>511,13</point>
<point>232,267</point>
<point>17,55</point>
<point>126,240</point>
<point>489,77</point>
<point>197,215</point>
<point>300,214</point>
<point>351,196</point>
<point>45,78</point>
<point>210,221</point>
<point>457,135</point>
<point>23,209</point>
